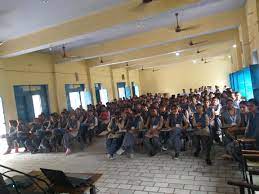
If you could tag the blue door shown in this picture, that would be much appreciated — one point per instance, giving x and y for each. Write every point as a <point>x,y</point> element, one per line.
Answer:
<point>24,101</point>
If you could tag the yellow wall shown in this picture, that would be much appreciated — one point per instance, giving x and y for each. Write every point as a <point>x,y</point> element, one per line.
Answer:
<point>252,16</point>
<point>38,69</point>
<point>65,74</point>
<point>174,78</point>
<point>32,69</point>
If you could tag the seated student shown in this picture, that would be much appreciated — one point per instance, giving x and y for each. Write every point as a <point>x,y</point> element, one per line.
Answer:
<point>104,119</point>
<point>71,133</point>
<point>216,130</point>
<point>211,114</point>
<point>49,141</point>
<point>113,141</point>
<point>11,137</point>
<point>164,135</point>
<point>24,137</point>
<point>230,146</point>
<point>154,125</point>
<point>176,122</point>
<point>133,124</point>
<point>91,123</point>
<point>230,118</point>
<point>200,122</point>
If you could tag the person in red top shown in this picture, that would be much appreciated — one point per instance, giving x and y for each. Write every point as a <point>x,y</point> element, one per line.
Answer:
<point>104,119</point>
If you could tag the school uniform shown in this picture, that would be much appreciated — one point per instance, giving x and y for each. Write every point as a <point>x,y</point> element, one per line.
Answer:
<point>152,142</point>
<point>133,125</point>
<point>202,134</point>
<point>70,135</point>
<point>176,123</point>
<point>113,141</point>
<point>11,137</point>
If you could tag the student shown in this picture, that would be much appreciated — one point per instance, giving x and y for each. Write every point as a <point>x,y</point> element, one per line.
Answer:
<point>154,125</point>
<point>211,114</point>
<point>133,124</point>
<point>176,122</point>
<point>216,130</point>
<point>104,119</point>
<point>72,127</point>
<point>113,139</point>
<point>231,115</point>
<point>11,137</point>
<point>24,137</point>
<point>91,123</point>
<point>200,122</point>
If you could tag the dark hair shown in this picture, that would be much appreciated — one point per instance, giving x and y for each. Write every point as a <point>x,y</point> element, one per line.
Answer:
<point>253,101</point>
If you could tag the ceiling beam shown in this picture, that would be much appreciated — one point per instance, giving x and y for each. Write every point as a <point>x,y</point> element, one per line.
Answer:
<point>150,52</point>
<point>213,23</point>
<point>78,28</point>
<point>210,51</point>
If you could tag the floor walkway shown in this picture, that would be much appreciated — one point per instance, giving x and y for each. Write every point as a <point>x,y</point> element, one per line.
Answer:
<point>141,175</point>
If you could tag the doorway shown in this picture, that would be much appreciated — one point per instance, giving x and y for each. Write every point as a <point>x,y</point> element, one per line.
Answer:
<point>121,86</point>
<point>37,107</point>
<point>31,101</point>
<point>135,89</point>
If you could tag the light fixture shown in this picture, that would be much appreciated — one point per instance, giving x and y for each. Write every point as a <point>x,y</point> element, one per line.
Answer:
<point>177,54</point>
<point>194,61</point>
<point>229,56</point>
<point>234,46</point>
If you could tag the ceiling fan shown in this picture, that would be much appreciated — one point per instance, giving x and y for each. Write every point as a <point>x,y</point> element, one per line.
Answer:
<point>191,43</point>
<point>154,70</point>
<point>206,61</point>
<point>179,28</point>
<point>200,51</point>
<point>65,56</point>
<point>142,5</point>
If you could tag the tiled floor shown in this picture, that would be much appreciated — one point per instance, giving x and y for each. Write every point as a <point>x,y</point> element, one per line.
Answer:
<point>141,175</point>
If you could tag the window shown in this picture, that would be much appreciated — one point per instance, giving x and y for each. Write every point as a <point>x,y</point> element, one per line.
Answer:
<point>36,100</point>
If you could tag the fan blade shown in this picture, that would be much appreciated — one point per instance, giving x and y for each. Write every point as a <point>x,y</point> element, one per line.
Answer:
<point>201,51</point>
<point>190,28</point>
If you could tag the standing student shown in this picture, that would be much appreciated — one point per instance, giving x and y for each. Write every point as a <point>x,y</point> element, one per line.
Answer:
<point>177,123</point>
<point>200,122</point>
<point>154,125</point>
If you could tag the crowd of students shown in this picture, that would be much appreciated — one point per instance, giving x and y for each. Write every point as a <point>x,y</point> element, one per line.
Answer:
<point>158,122</point>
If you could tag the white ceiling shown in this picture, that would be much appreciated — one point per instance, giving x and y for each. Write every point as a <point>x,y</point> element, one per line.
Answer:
<point>20,17</point>
<point>204,8</point>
